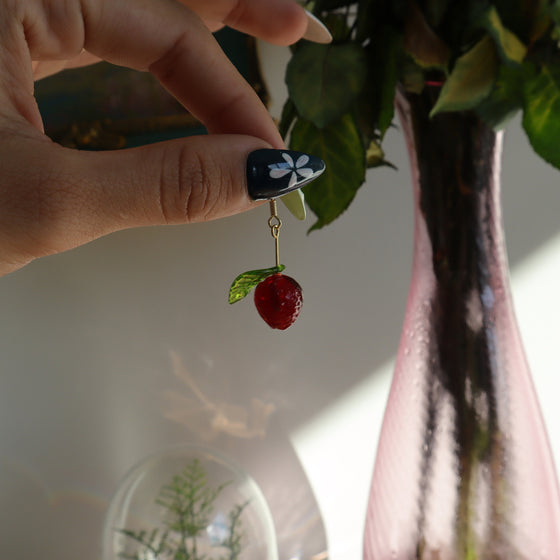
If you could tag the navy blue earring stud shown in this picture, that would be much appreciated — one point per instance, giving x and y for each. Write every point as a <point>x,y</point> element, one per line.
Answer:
<point>273,173</point>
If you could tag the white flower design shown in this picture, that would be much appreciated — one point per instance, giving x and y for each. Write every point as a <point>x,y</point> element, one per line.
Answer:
<point>278,170</point>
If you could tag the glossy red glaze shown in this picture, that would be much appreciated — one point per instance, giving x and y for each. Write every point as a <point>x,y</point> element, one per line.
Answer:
<point>278,299</point>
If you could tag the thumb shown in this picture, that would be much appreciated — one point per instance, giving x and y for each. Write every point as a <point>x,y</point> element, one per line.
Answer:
<point>73,197</point>
<point>196,179</point>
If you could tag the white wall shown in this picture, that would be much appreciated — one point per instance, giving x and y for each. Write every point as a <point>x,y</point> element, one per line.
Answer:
<point>86,343</point>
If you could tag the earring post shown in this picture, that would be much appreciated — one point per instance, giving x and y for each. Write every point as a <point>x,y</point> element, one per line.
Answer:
<point>275,223</point>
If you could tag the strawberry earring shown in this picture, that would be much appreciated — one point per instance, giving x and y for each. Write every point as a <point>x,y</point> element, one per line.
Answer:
<point>278,298</point>
<point>270,174</point>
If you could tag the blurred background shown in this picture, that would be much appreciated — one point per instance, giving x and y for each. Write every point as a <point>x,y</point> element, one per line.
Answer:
<point>125,346</point>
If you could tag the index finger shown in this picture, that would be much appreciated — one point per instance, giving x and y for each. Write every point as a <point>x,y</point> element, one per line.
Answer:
<point>281,22</point>
<point>164,37</point>
<point>172,42</point>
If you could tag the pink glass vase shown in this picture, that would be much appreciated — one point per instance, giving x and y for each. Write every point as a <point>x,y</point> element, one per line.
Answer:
<point>463,469</point>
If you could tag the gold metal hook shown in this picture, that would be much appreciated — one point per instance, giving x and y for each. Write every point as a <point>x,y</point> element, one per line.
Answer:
<point>275,223</point>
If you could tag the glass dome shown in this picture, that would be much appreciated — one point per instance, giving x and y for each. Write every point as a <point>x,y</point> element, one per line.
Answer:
<point>189,503</point>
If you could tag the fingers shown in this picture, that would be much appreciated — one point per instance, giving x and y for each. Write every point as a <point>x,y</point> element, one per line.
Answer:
<point>196,179</point>
<point>54,199</point>
<point>44,68</point>
<point>178,49</point>
<point>162,36</point>
<point>281,22</point>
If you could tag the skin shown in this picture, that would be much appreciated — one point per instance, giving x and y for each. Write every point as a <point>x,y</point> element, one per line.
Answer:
<point>52,198</point>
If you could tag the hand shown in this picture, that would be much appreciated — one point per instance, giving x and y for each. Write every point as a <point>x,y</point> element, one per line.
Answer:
<point>52,198</point>
<point>278,22</point>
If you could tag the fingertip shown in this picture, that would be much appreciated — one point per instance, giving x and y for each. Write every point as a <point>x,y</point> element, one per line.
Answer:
<point>291,26</point>
<point>279,22</point>
<point>297,23</point>
<point>317,31</point>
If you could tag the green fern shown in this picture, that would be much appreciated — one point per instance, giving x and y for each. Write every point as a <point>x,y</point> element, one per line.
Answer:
<point>188,501</point>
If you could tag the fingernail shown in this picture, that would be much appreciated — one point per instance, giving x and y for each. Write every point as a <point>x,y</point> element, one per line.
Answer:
<point>316,31</point>
<point>272,173</point>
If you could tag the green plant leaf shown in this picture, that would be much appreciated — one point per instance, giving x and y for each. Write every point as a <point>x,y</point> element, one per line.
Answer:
<point>554,10</point>
<point>336,24</point>
<point>375,106</point>
<point>510,48</point>
<point>505,99</point>
<point>412,77</point>
<point>289,115</point>
<point>323,80</point>
<point>246,281</point>
<point>471,79</point>
<point>435,11</point>
<point>540,21</point>
<point>374,155</point>
<point>340,146</point>
<point>425,47</point>
<point>365,18</point>
<point>388,74</point>
<point>295,203</point>
<point>541,115</point>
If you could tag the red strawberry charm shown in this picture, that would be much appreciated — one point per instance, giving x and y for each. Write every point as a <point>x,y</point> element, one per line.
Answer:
<point>278,299</point>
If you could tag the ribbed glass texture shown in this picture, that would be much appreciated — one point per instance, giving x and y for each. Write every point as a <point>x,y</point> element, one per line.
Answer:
<point>463,468</point>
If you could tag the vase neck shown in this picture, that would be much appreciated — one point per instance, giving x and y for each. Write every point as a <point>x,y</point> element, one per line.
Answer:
<point>463,469</point>
<point>455,161</point>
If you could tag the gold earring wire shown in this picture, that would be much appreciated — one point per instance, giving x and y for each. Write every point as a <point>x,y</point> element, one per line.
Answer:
<point>275,223</point>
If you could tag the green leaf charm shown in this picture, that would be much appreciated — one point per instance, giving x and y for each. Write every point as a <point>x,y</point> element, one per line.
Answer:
<point>246,281</point>
<point>471,80</point>
<point>295,203</point>
<point>340,147</point>
<point>323,80</point>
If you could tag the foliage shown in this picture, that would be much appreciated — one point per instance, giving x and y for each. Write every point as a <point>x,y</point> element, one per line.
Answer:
<point>188,503</point>
<point>494,57</point>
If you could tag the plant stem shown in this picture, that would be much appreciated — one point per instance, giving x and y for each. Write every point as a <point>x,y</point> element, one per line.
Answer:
<point>455,155</point>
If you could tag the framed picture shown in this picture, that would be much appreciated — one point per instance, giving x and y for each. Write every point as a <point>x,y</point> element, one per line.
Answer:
<point>106,107</point>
